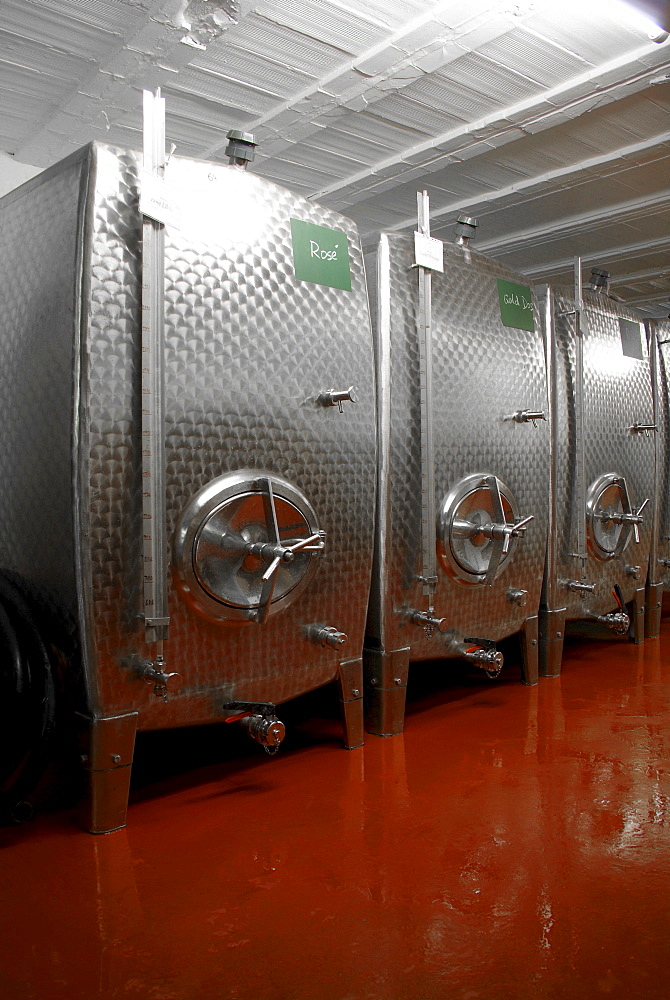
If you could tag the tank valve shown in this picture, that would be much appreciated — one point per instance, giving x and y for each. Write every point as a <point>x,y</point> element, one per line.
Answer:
<point>334,397</point>
<point>260,721</point>
<point>485,655</point>
<point>529,416</point>
<point>578,587</point>
<point>325,635</point>
<point>163,681</point>
<point>429,623</point>
<point>241,148</point>
<point>617,621</point>
<point>465,229</point>
<point>519,597</point>
<point>599,280</point>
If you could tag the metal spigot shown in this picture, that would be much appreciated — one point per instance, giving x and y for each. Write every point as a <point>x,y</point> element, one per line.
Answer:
<point>260,721</point>
<point>334,397</point>
<point>578,587</point>
<point>519,597</point>
<point>325,635</point>
<point>164,682</point>
<point>617,621</point>
<point>633,571</point>
<point>529,416</point>
<point>485,655</point>
<point>267,731</point>
<point>429,622</point>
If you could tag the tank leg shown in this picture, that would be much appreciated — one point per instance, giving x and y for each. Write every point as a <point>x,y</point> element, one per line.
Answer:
<point>636,631</point>
<point>652,614</point>
<point>385,690</point>
<point>350,679</point>
<point>107,754</point>
<point>552,633</point>
<point>529,651</point>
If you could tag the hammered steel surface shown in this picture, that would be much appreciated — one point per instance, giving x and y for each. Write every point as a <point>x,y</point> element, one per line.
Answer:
<point>248,350</point>
<point>661,572</point>
<point>39,248</point>
<point>617,395</point>
<point>483,373</point>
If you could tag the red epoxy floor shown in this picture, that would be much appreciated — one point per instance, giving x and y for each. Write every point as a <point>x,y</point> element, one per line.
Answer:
<point>514,843</point>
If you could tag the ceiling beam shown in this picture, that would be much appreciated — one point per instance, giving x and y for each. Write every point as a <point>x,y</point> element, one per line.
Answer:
<point>542,110</point>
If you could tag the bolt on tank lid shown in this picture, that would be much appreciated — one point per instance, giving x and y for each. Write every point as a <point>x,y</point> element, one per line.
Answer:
<point>465,229</point>
<point>241,147</point>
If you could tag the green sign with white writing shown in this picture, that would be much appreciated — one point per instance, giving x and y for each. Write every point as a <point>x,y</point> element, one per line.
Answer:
<point>320,255</point>
<point>516,305</point>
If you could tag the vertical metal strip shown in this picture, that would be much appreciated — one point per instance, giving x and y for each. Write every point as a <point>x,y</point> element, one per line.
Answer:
<point>428,527</point>
<point>580,457</point>
<point>154,519</point>
<point>550,596</point>
<point>653,574</point>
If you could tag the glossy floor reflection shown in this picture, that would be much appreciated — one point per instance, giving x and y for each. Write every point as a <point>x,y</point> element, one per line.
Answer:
<point>514,843</point>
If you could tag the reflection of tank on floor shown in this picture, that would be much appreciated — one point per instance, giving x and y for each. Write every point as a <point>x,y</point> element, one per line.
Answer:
<point>603,465</point>
<point>464,465</point>
<point>658,577</point>
<point>215,443</point>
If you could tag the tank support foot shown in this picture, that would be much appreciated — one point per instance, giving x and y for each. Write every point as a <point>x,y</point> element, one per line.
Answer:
<point>385,690</point>
<point>350,680</point>
<point>652,613</point>
<point>530,651</point>
<point>551,635</point>
<point>636,611</point>
<point>107,747</point>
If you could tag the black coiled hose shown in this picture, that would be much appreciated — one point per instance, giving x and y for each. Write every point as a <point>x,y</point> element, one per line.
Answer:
<point>27,701</point>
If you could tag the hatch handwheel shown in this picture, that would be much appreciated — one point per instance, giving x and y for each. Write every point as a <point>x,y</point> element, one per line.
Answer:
<point>246,547</point>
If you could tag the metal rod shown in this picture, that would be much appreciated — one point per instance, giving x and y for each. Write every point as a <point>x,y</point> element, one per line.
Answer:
<point>580,458</point>
<point>428,526</point>
<point>654,575</point>
<point>154,520</point>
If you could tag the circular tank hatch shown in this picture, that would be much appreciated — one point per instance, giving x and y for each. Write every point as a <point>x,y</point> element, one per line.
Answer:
<point>246,547</point>
<point>610,518</point>
<point>478,528</point>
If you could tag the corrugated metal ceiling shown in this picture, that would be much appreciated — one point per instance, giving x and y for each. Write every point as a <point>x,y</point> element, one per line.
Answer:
<point>550,122</point>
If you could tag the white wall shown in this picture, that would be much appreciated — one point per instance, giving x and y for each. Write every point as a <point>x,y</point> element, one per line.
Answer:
<point>12,173</point>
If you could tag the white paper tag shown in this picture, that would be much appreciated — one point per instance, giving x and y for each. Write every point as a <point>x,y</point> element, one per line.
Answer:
<point>159,201</point>
<point>428,252</point>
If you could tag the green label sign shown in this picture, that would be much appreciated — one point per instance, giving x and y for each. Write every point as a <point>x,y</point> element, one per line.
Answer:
<point>516,305</point>
<point>320,255</point>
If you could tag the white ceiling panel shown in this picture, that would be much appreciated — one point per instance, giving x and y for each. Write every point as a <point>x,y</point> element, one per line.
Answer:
<point>551,121</point>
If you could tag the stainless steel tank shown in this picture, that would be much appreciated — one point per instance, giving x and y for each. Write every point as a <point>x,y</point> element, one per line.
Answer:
<point>602,468</point>
<point>267,429</point>
<point>463,473</point>
<point>658,576</point>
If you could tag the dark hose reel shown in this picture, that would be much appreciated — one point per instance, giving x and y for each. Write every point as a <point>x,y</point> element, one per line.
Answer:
<point>27,702</point>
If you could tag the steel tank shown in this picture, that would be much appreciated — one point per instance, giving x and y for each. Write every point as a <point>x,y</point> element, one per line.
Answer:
<point>658,576</point>
<point>602,425</point>
<point>266,430</point>
<point>463,472</point>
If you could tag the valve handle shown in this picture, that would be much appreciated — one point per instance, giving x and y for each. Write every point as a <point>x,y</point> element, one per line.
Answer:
<point>281,553</point>
<point>502,532</point>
